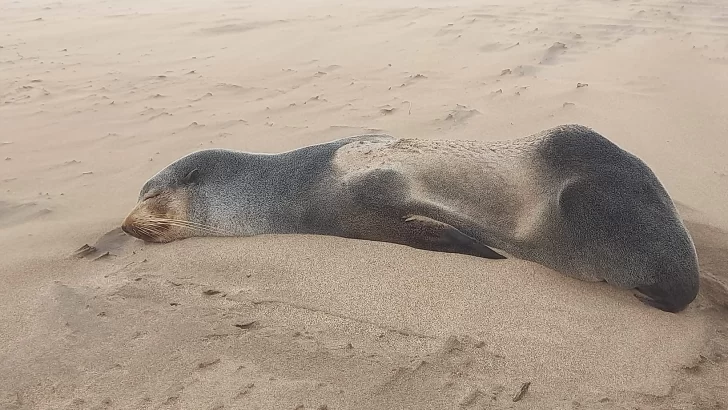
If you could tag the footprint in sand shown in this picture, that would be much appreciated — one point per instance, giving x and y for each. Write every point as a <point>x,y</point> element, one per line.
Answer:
<point>461,114</point>
<point>553,52</point>
<point>387,110</point>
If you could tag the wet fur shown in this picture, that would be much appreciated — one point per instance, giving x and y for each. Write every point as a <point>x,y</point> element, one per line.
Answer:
<point>566,198</point>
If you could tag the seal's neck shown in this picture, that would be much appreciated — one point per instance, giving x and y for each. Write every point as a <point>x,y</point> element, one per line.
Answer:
<point>274,194</point>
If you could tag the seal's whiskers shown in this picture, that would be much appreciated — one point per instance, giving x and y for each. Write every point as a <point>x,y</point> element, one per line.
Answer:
<point>188,224</point>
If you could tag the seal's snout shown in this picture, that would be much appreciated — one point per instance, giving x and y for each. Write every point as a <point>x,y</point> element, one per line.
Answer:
<point>140,232</point>
<point>129,227</point>
<point>135,226</point>
<point>130,230</point>
<point>160,217</point>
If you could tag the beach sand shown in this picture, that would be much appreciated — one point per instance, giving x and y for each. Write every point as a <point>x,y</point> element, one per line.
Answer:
<point>96,97</point>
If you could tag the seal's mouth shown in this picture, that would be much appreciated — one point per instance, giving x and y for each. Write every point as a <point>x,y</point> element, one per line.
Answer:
<point>130,230</point>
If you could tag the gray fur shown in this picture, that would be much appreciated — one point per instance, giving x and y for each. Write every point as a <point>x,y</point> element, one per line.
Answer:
<point>566,198</point>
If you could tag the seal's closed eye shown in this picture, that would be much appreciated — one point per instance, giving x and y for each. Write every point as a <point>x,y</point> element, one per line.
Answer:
<point>151,195</point>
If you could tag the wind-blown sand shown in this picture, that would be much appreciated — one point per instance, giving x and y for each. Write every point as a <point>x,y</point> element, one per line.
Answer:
<point>96,97</point>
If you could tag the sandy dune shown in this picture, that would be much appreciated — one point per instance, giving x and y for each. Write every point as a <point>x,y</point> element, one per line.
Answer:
<point>95,97</point>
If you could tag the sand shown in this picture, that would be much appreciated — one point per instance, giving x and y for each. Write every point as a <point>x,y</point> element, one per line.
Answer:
<point>95,97</point>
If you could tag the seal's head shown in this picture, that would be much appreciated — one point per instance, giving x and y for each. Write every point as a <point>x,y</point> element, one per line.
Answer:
<point>173,203</point>
<point>161,214</point>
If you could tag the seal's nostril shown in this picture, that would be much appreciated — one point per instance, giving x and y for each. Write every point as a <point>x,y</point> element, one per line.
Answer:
<point>128,230</point>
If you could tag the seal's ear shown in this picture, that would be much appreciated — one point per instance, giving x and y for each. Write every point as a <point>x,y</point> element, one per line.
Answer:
<point>191,177</point>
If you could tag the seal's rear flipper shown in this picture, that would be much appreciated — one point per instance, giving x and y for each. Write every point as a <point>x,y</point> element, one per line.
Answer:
<point>429,234</point>
<point>656,297</point>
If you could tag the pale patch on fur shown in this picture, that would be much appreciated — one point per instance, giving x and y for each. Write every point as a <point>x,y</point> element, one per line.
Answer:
<point>493,184</point>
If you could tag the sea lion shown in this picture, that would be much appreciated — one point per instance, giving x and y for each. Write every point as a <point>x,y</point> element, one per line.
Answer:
<point>566,198</point>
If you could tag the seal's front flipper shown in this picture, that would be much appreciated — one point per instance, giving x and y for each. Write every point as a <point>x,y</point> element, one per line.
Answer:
<point>427,233</point>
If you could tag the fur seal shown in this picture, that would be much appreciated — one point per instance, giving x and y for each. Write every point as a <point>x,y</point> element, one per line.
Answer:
<point>566,198</point>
